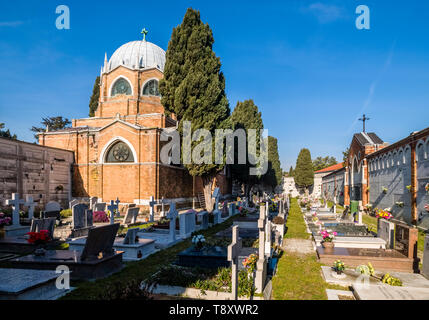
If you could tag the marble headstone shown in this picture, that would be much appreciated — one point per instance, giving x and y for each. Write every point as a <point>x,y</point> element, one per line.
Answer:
<point>187,223</point>
<point>386,231</point>
<point>131,215</point>
<point>130,237</point>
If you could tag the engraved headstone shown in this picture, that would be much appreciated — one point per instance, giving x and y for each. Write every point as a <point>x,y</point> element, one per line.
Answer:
<point>48,224</point>
<point>99,206</point>
<point>130,237</point>
<point>100,241</point>
<point>79,214</point>
<point>172,215</point>
<point>131,215</point>
<point>187,223</point>
<point>386,231</point>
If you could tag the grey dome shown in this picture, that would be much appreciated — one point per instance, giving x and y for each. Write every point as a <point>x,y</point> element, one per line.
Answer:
<point>138,55</point>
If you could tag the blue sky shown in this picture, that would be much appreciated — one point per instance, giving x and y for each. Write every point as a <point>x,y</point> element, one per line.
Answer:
<point>311,72</point>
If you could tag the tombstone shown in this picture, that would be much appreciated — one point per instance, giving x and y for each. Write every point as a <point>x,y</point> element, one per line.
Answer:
<point>345,213</point>
<point>425,269</point>
<point>406,240</point>
<point>231,209</point>
<point>187,223</point>
<point>172,215</point>
<point>233,252</point>
<point>261,265</point>
<point>112,208</point>
<point>117,202</point>
<point>359,220</point>
<point>163,202</point>
<point>43,224</point>
<point>79,214</point>
<point>30,204</point>
<point>15,202</point>
<point>73,202</point>
<point>52,210</point>
<point>131,216</point>
<point>130,237</point>
<point>386,231</point>
<point>203,217</point>
<point>100,240</point>
<point>216,212</point>
<point>152,203</point>
<point>100,206</point>
<point>92,202</point>
<point>268,239</point>
<point>225,210</point>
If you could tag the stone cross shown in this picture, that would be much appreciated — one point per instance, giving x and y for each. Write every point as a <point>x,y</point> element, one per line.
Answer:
<point>163,202</point>
<point>261,266</point>
<point>268,238</point>
<point>335,204</point>
<point>15,202</point>
<point>152,202</point>
<point>92,202</point>
<point>172,215</point>
<point>30,204</point>
<point>112,207</point>
<point>233,252</point>
<point>117,202</point>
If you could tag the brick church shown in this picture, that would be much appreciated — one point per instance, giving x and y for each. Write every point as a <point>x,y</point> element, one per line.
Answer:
<point>117,152</point>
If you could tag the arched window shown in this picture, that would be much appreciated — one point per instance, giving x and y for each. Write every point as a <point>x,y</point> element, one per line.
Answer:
<point>151,88</point>
<point>121,86</point>
<point>119,152</point>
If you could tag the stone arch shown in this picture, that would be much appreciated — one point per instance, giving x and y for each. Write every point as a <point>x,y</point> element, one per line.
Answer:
<point>118,78</point>
<point>421,153</point>
<point>108,146</point>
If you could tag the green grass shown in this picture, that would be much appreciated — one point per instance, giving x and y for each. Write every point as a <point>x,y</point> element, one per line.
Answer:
<point>114,286</point>
<point>296,228</point>
<point>370,221</point>
<point>339,207</point>
<point>299,277</point>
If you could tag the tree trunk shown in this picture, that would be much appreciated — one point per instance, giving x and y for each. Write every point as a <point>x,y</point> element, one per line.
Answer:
<point>207,185</point>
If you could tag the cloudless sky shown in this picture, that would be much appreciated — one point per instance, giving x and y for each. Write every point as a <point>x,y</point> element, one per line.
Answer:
<point>308,68</point>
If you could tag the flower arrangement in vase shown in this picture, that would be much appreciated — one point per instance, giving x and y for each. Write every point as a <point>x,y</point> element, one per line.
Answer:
<point>4,221</point>
<point>427,187</point>
<point>339,266</point>
<point>400,204</point>
<point>198,241</point>
<point>100,216</point>
<point>40,239</point>
<point>384,189</point>
<point>383,214</point>
<point>250,263</point>
<point>408,188</point>
<point>328,238</point>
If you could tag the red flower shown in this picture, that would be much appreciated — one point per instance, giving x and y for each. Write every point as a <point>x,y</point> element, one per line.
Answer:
<point>41,237</point>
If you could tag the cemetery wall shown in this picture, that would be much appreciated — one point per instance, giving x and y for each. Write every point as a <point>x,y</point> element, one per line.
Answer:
<point>333,184</point>
<point>392,169</point>
<point>30,169</point>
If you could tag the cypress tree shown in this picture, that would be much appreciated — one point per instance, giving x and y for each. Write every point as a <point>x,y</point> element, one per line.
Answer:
<point>246,116</point>
<point>304,173</point>
<point>93,101</point>
<point>290,172</point>
<point>193,88</point>
<point>273,177</point>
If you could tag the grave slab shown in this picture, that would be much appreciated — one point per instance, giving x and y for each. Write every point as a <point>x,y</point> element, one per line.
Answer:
<point>355,242</point>
<point>24,284</point>
<point>390,293</point>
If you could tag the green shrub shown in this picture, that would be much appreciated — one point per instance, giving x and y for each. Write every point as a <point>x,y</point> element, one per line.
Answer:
<point>66,213</point>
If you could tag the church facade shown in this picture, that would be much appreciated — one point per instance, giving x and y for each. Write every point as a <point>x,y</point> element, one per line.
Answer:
<point>117,152</point>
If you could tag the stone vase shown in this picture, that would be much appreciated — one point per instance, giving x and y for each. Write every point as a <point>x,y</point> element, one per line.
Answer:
<point>328,246</point>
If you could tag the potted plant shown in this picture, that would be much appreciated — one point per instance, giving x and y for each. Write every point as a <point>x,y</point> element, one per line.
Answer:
<point>339,267</point>
<point>250,263</point>
<point>384,214</point>
<point>198,242</point>
<point>328,238</point>
<point>4,221</point>
<point>39,239</point>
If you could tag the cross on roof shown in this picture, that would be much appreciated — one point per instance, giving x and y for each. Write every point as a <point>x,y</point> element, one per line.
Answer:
<point>364,119</point>
<point>144,33</point>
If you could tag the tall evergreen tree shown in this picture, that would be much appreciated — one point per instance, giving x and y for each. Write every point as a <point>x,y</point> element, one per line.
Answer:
<point>290,172</point>
<point>193,89</point>
<point>323,162</point>
<point>53,123</point>
<point>93,101</point>
<point>273,177</point>
<point>6,133</point>
<point>304,173</point>
<point>246,116</point>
